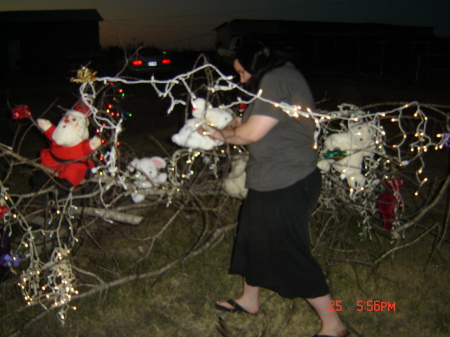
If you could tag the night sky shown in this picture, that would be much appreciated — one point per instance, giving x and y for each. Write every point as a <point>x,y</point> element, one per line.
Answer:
<point>175,23</point>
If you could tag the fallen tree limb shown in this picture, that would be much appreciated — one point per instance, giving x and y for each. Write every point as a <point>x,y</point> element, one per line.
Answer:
<point>395,234</point>
<point>107,214</point>
<point>214,238</point>
<point>104,214</point>
<point>397,248</point>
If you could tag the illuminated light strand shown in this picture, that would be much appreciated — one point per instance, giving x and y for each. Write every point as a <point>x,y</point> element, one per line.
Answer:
<point>347,111</point>
<point>60,285</point>
<point>54,281</point>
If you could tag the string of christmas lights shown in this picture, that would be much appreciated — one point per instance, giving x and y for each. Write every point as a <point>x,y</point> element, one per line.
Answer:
<point>401,136</point>
<point>346,112</point>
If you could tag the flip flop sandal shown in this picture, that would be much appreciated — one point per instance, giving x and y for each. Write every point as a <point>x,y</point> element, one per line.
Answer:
<point>346,334</point>
<point>236,307</point>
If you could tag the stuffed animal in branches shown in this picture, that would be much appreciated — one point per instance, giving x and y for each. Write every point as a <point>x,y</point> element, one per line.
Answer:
<point>345,153</point>
<point>234,183</point>
<point>146,175</point>
<point>68,154</point>
<point>203,114</point>
<point>390,202</point>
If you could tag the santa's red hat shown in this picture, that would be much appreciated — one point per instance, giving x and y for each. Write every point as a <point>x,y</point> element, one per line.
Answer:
<point>81,109</point>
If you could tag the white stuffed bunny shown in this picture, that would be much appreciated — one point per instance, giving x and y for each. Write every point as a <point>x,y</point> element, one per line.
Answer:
<point>345,152</point>
<point>146,175</point>
<point>205,114</point>
<point>234,183</point>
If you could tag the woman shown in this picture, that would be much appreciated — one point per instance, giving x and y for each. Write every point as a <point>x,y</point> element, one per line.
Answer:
<point>271,247</point>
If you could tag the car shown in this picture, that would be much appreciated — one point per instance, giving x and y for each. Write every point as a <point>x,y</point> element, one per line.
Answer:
<point>148,60</point>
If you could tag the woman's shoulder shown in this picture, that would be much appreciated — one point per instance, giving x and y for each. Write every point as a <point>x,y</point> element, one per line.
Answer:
<point>288,84</point>
<point>283,72</point>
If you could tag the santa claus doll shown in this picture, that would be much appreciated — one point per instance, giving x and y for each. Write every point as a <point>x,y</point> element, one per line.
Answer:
<point>68,154</point>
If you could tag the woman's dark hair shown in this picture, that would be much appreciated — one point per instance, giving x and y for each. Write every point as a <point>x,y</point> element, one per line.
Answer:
<point>257,59</point>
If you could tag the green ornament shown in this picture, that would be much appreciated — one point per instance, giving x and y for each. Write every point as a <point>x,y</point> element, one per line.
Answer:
<point>336,154</point>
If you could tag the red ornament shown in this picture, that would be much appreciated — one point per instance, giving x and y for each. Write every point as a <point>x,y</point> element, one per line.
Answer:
<point>242,107</point>
<point>20,112</point>
<point>3,210</point>
<point>390,203</point>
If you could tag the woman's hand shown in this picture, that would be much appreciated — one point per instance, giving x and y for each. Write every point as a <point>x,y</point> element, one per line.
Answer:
<point>255,128</point>
<point>234,123</point>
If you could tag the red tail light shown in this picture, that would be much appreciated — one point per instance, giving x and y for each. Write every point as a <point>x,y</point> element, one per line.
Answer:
<point>166,61</point>
<point>137,62</point>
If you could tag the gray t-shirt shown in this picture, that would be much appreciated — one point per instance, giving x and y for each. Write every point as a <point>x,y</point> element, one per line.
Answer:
<point>286,154</point>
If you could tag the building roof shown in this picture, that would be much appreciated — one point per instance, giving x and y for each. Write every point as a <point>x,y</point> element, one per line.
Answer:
<point>75,15</point>
<point>315,28</point>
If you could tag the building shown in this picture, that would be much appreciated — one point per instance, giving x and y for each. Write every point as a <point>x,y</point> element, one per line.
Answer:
<point>44,41</point>
<point>359,48</point>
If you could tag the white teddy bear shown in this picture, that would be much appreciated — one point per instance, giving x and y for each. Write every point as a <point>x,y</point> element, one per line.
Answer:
<point>146,175</point>
<point>205,114</point>
<point>234,183</point>
<point>345,153</point>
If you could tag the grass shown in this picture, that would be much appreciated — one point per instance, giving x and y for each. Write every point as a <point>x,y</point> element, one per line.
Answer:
<point>180,302</point>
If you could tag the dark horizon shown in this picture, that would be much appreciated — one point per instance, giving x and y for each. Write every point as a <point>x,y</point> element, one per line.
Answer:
<point>180,24</point>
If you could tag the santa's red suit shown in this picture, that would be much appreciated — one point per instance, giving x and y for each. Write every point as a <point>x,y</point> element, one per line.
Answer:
<point>61,159</point>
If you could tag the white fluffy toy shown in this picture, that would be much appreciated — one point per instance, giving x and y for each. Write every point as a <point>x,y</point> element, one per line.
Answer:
<point>146,175</point>
<point>234,183</point>
<point>345,152</point>
<point>203,113</point>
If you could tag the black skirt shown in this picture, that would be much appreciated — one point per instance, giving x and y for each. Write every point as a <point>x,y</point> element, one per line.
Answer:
<point>271,249</point>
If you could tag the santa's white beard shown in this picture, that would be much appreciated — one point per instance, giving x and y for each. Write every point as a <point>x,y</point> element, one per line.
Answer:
<point>66,134</point>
